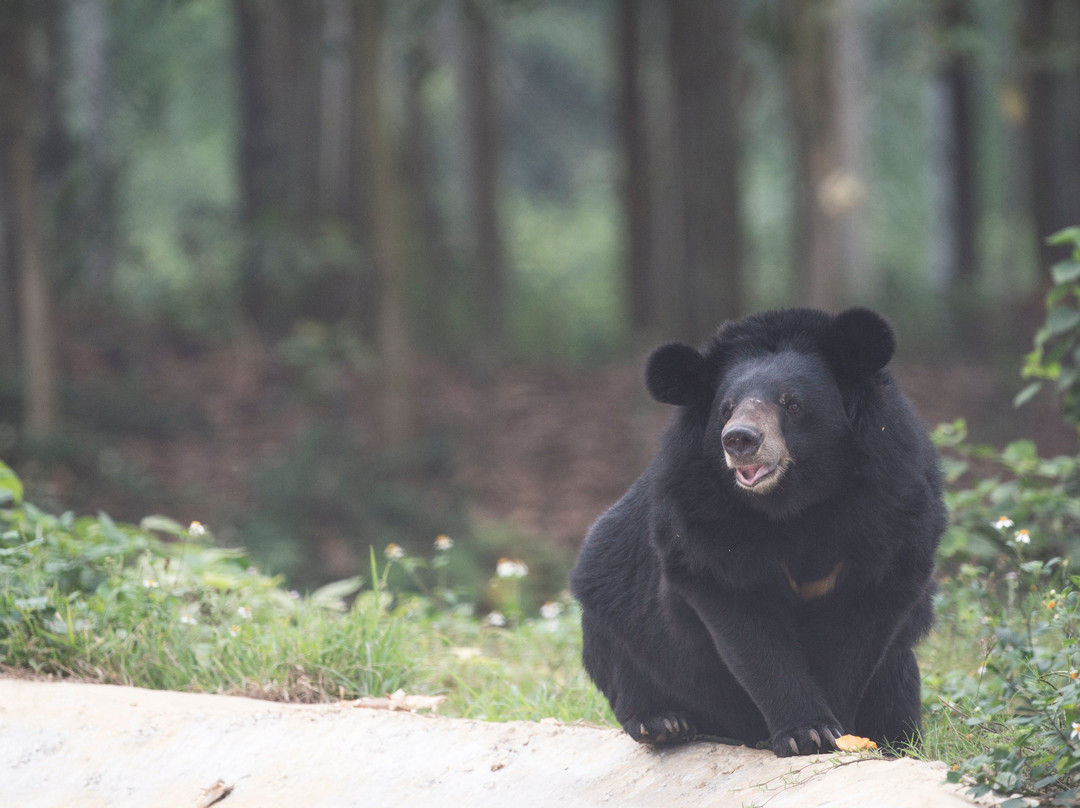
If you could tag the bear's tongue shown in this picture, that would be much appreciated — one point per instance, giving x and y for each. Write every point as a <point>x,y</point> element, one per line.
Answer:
<point>748,475</point>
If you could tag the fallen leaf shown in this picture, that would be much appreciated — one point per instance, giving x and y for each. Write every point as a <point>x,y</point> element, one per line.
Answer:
<point>399,700</point>
<point>854,743</point>
<point>213,795</point>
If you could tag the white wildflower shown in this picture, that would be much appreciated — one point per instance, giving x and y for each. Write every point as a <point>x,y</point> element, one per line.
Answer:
<point>551,610</point>
<point>511,568</point>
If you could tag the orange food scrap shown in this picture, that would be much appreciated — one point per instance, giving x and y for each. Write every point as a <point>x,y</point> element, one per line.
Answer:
<point>853,743</point>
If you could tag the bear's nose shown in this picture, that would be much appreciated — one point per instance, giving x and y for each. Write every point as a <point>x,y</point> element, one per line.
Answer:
<point>742,440</point>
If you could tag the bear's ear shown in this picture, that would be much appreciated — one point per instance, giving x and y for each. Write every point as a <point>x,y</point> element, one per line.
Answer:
<point>676,374</point>
<point>861,342</point>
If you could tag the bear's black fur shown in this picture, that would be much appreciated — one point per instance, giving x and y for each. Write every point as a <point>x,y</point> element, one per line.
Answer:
<point>768,574</point>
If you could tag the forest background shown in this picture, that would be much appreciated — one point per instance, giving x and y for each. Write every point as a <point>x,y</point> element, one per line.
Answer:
<point>330,275</point>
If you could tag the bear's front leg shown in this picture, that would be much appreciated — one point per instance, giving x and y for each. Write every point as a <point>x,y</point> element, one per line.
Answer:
<point>862,658</point>
<point>758,643</point>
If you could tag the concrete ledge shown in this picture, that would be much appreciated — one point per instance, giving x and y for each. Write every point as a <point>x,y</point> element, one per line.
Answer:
<point>78,745</point>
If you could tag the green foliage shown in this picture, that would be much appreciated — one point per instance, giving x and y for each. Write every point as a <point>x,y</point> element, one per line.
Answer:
<point>1014,713</point>
<point>1001,668</point>
<point>1056,357</point>
<point>328,484</point>
<point>566,302</point>
<point>173,129</point>
<point>984,484</point>
<point>157,605</point>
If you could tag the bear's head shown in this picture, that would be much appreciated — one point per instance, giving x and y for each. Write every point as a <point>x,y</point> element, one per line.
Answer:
<point>773,399</point>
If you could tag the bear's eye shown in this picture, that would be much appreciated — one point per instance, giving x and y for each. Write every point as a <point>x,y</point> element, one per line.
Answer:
<point>726,409</point>
<point>791,405</point>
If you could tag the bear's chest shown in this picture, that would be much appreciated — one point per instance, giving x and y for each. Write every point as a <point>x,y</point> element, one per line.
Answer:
<point>811,563</point>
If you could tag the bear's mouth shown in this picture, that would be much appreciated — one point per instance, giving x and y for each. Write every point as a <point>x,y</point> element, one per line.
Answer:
<point>752,475</point>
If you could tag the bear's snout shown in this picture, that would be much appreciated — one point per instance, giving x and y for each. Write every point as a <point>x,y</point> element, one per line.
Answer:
<point>742,440</point>
<point>754,445</point>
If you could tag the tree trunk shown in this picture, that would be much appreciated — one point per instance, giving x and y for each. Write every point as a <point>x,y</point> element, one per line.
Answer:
<point>431,246</point>
<point>1049,43</point>
<point>280,54</point>
<point>483,162</point>
<point>335,118</point>
<point>818,181</point>
<point>845,196</point>
<point>703,42</point>
<point>92,108</point>
<point>9,360</point>
<point>36,337</point>
<point>959,77</point>
<point>633,136</point>
<point>394,352</point>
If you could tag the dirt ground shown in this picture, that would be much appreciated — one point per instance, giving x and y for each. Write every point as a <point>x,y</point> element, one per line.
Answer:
<point>67,745</point>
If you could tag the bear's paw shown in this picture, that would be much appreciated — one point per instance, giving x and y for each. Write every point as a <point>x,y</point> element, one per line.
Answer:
<point>808,739</point>
<point>661,730</point>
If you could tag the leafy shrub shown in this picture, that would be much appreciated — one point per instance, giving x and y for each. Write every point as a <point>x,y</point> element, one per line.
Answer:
<point>1042,495</point>
<point>1013,723</point>
<point>1017,714</point>
<point>1056,357</point>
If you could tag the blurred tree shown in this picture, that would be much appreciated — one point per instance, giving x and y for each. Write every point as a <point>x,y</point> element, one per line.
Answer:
<point>960,214</point>
<point>812,105</point>
<point>90,114</point>
<point>393,342</point>
<point>9,361</point>
<point>483,157</point>
<point>280,47</point>
<point>20,27</point>
<point>826,73</point>
<point>634,188</point>
<point>1050,111</point>
<point>845,192</point>
<point>335,107</point>
<point>704,47</point>
<point>430,248</point>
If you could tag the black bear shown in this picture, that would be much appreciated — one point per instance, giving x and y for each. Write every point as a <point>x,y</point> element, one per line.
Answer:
<point>766,577</point>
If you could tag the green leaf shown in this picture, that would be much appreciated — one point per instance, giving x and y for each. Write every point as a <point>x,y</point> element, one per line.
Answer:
<point>1062,319</point>
<point>1020,451</point>
<point>1070,235</point>
<point>1039,785</point>
<point>1015,802</point>
<point>1028,393</point>
<point>1066,272</point>
<point>1066,379</point>
<point>35,604</point>
<point>11,487</point>
<point>332,595</point>
<point>164,524</point>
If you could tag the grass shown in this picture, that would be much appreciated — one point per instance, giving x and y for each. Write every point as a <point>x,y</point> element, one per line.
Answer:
<point>159,606</point>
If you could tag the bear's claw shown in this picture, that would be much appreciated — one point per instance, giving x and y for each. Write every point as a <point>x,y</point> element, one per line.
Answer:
<point>662,730</point>
<point>806,740</point>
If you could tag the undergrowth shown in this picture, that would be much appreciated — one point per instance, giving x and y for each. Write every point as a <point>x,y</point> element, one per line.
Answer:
<point>158,605</point>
